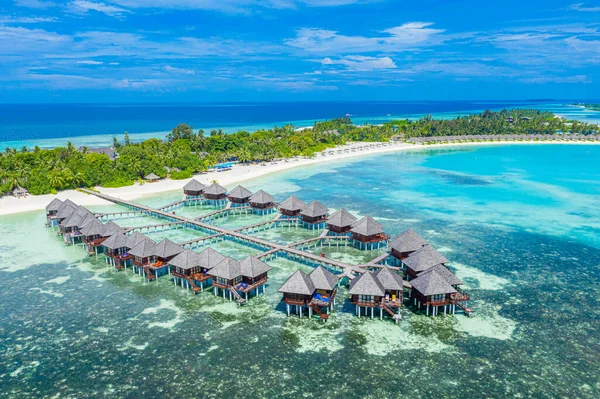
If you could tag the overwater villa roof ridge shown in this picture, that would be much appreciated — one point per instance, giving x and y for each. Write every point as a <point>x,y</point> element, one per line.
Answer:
<point>314,209</point>
<point>167,248</point>
<point>298,283</point>
<point>424,258</point>
<point>341,218</point>
<point>240,192</point>
<point>323,279</point>
<point>432,284</point>
<point>408,241</point>
<point>194,185</point>
<point>227,269</point>
<point>144,249</point>
<point>187,259</point>
<point>215,189</point>
<point>54,205</point>
<point>367,226</point>
<point>366,284</point>
<point>209,258</point>
<point>292,203</point>
<point>253,267</point>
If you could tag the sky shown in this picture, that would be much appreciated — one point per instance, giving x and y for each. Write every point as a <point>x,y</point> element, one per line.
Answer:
<point>297,50</point>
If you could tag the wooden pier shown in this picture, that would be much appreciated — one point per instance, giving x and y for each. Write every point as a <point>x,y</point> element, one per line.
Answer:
<point>262,245</point>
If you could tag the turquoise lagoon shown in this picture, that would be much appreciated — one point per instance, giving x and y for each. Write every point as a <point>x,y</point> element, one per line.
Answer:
<point>520,224</point>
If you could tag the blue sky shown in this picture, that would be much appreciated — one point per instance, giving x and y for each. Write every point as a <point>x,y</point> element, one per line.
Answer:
<point>274,50</point>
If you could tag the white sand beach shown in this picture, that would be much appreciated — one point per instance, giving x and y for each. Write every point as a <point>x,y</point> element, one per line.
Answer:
<point>237,174</point>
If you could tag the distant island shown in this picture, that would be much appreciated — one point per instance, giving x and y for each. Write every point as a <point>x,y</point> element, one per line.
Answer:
<point>592,107</point>
<point>186,151</point>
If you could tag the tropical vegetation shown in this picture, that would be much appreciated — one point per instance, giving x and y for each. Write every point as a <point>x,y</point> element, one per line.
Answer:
<point>185,151</point>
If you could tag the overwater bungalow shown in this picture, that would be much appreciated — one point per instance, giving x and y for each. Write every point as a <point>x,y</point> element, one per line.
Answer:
<point>367,233</point>
<point>226,275</point>
<point>393,285</point>
<point>325,283</point>
<point>152,178</point>
<point>297,291</point>
<point>117,246</point>
<point>64,211</point>
<point>262,202</point>
<point>143,257</point>
<point>314,216</point>
<point>71,225</point>
<point>91,232</point>
<point>186,268</point>
<point>164,252</point>
<point>216,193</point>
<point>421,260</point>
<point>94,235</point>
<point>340,222</point>
<point>254,276</point>
<point>368,292</point>
<point>292,207</point>
<point>209,258</point>
<point>51,211</point>
<point>193,188</point>
<point>431,290</point>
<point>239,196</point>
<point>406,243</point>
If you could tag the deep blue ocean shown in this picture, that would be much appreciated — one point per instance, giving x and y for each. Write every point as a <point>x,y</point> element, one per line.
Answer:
<point>51,125</point>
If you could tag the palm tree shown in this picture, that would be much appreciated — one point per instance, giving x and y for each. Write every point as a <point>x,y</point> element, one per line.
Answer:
<point>56,179</point>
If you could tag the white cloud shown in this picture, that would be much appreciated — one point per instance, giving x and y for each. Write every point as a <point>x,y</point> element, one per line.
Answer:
<point>399,38</point>
<point>584,8</point>
<point>361,63</point>
<point>182,71</point>
<point>35,3</point>
<point>5,19</point>
<point>89,62</point>
<point>84,6</point>
<point>557,79</point>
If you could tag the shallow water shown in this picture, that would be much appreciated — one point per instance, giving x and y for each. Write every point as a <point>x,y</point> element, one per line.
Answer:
<point>519,224</point>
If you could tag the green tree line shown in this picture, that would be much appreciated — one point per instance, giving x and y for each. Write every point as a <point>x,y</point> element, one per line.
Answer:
<point>186,151</point>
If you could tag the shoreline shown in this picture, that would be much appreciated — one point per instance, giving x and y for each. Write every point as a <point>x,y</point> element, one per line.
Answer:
<point>239,173</point>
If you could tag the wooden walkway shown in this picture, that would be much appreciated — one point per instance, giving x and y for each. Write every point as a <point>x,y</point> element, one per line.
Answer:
<point>259,243</point>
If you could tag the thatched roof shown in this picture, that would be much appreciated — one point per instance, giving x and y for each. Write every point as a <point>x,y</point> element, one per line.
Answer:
<point>116,241</point>
<point>366,284</point>
<point>253,267</point>
<point>152,176</point>
<point>262,197</point>
<point>111,228</point>
<point>431,284</point>
<point>314,209</point>
<point>194,185</point>
<point>77,217</point>
<point>409,241</point>
<point>292,204</point>
<point>389,279</point>
<point>341,218</point>
<point>167,248</point>
<point>299,283</point>
<point>135,239</point>
<point>445,273</point>
<point>424,258</point>
<point>54,205</point>
<point>209,258</point>
<point>240,192</point>
<point>367,226</point>
<point>66,210</point>
<point>186,259</point>
<point>215,189</point>
<point>19,191</point>
<point>323,279</point>
<point>93,228</point>
<point>228,269</point>
<point>144,249</point>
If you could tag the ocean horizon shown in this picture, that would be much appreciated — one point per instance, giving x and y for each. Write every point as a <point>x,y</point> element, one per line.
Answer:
<point>95,125</point>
